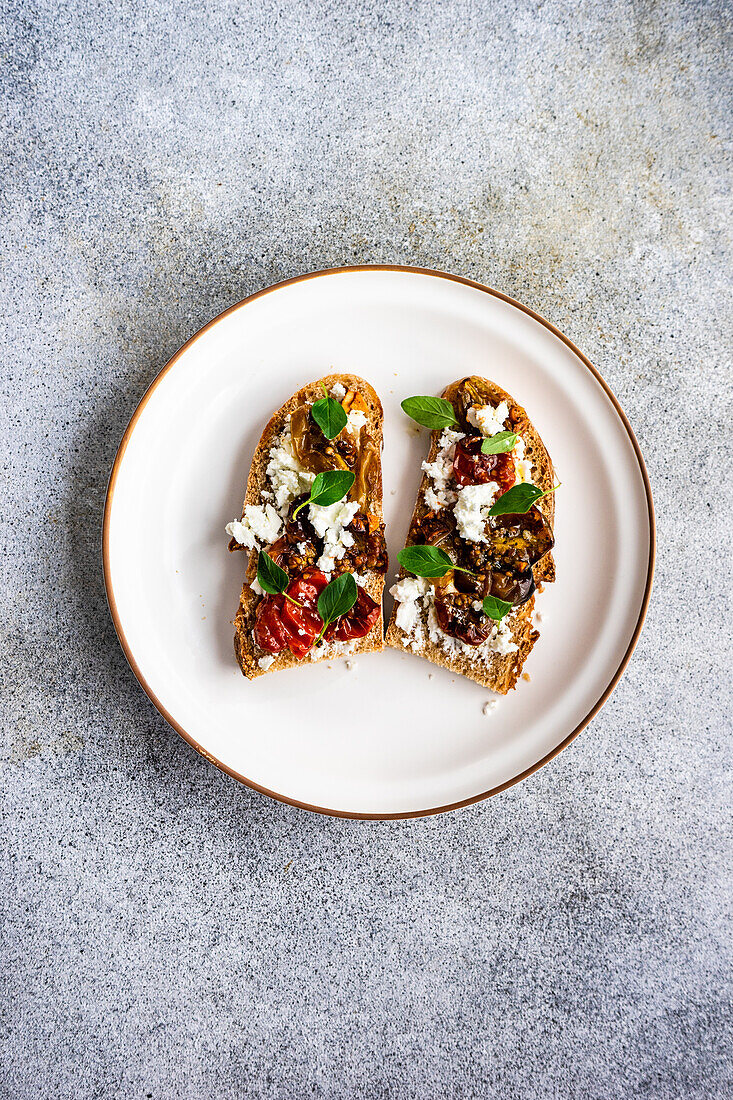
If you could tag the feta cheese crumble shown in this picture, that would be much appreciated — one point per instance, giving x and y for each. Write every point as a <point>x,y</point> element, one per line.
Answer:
<point>471,510</point>
<point>522,466</point>
<point>355,421</point>
<point>330,523</point>
<point>259,526</point>
<point>338,390</point>
<point>440,471</point>
<point>261,523</point>
<point>487,419</point>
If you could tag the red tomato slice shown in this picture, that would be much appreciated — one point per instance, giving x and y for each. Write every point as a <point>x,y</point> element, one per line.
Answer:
<point>472,467</point>
<point>359,620</point>
<point>269,631</point>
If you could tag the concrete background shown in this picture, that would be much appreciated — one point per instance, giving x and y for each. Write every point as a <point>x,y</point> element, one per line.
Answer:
<point>167,933</point>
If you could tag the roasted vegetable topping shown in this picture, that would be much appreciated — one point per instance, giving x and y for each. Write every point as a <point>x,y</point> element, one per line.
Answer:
<point>472,467</point>
<point>295,622</point>
<point>519,541</point>
<point>280,622</point>
<point>468,393</point>
<point>435,527</point>
<point>367,471</point>
<point>358,622</point>
<point>458,617</point>
<point>477,583</point>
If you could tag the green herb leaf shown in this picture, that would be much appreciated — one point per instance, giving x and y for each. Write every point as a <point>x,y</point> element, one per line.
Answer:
<point>270,576</point>
<point>499,444</point>
<point>431,412</point>
<point>496,609</point>
<point>336,599</point>
<point>427,561</point>
<point>329,415</point>
<point>518,500</point>
<point>328,487</point>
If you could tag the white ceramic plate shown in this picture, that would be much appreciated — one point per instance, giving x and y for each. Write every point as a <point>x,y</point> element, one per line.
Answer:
<point>396,736</point>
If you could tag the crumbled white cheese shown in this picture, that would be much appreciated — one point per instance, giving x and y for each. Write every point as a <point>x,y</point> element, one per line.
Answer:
<point>489,705</point>
<point>330,523</point>
<point>408,592</point>
<point>522,466</point>
<point>257,588</point>
<point>287,477</point>
<point>266,662</point>
<point>499,640</point>
<point>471,510</point>
<point>431,499</point>
<point>440,470</point>
<point>355,421</point>
<point>338,390</point>
<point>332,649</point>
<point>487,419</point>
<point>416,599</point>
<point>259,526</point>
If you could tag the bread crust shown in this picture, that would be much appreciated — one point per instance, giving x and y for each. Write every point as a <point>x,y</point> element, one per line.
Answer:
<point>499,673</point>
<point>246,651</point>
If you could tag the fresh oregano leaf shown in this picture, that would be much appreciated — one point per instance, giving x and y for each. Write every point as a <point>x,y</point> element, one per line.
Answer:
<point>499,444</point>
<point>336,599</point>
<point>328,487</point>
<point>329,415</point>
<point>431,412</point>
<point>270,576</point>
<point>518,500</point>
<point>427,561</point>
<point>496,609</point>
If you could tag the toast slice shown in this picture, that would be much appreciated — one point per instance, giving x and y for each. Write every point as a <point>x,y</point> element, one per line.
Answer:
<point>496,662</point>
<point>291,450</point>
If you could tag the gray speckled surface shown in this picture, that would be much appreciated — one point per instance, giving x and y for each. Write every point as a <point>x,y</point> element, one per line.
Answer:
<point>167,933</point>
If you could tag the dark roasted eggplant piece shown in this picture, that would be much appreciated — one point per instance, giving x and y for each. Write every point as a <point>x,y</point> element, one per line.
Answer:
<point>300,528</point>
<point>435,527</point>
<point>458,617</point>
<point>370,548</point>
<point>519,541</point>
<point>515,588</point>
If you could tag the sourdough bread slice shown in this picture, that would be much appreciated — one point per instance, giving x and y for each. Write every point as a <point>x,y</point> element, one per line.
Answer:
<point>498,671</point>
<point>247,652</point>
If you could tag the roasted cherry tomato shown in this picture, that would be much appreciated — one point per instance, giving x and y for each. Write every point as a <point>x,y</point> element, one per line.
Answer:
<point>472,467</point>
<point>269,631</point>
<point>303,621</point>
<point>280,623</point>
<point>358,622</point>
